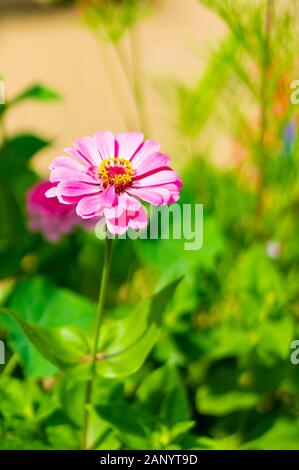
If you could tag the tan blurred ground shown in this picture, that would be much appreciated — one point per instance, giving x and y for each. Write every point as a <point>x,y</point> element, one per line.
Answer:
<point>56,49</point>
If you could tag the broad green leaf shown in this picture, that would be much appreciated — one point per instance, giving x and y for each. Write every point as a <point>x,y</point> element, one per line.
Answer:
<point>275,337</point>
<point>17,151</point>
<point>129,360</point>
<point>100,436</point>
<point>171,255</point>
<point>130,422</point>
<point>64,347</point>
<point>162,393</point>
<point>104,390</point>
<point>62,437</point>
<point>126,343</point>
<point>46,306</point>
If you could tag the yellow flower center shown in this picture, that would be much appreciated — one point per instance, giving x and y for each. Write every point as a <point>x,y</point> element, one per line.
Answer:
<point>117,172</point>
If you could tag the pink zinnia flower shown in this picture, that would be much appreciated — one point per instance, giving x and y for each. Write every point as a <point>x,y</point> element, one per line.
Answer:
<point>106,175</point>
<point>49,216</point>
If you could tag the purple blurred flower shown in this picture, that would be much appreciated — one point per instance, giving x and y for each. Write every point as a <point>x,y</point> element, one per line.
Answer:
<point>289,135</point>
<point>49,216</point>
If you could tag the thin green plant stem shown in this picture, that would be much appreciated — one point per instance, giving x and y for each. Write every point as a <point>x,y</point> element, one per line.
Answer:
<point>134,76</point>
<point>138,80</point>
<point>99,320</point>
<point>11,365</point>
<point>114,83</point>
<point>124,62</point>
<point>265,66</point>
<point>124,65</point>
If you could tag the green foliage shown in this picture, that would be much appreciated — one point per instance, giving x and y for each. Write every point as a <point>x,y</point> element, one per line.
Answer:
<point>159,419</point>
<point>36,92</point>
<point>41,306</point>
<point>16,177</point>
<point>125,343</point>
<point>113,18</point>
<point>194,349</point>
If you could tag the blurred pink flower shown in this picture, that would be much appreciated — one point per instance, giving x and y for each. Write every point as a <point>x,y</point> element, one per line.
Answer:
<point>104,174</point>
<point>49,216</point>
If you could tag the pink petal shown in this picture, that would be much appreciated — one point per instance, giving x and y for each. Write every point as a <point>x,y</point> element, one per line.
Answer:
<point>148,148</point>
<point>152,162</point>
<point>174,186</point>
<point>66,162</point>
<point>52,192</point>
<point>139,222</point>
<point>157,195</point>
<point>115,211</point>
<point>118,226</point>
<point>129,203</point>
<point>89,206</point>
<point>68,199</point>
<point>154,197</point>
<point>64,174</point>
<point>105,143</point>
<point>128,144</point>
<point>85,150</point>
<point>76,188</point>
<point>174,190</point>
<point>157,178</point>
<point>123,203</point>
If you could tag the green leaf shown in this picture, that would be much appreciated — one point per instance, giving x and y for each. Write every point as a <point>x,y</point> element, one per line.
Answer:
<point>163,395</point>
<point>284,435</point>
<point>180,429</point>
<point>24,146</point>
<point>100,436</point>
<point>63,347</point>
<point>23,408</point>
<point>16,153</point>
<point>46,306</point>
<point>221,404</point>
<point>138,429</point>
<point>62,437</point>
<point>169,255</point>
<point>36,92</point>
<point>125,344</point>
<point>130,422</point>
<point>275,337</point>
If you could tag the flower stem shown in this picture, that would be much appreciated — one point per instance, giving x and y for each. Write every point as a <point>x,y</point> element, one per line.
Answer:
<point>134,77</point>
<point>99,320</point>
<point>124,65</point>
<point>137,81</point>
<point>115,85</point>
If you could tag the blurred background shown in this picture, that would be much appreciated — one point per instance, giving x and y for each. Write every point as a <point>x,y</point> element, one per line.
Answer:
<point>215,82</point>
<point>44,42</point>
